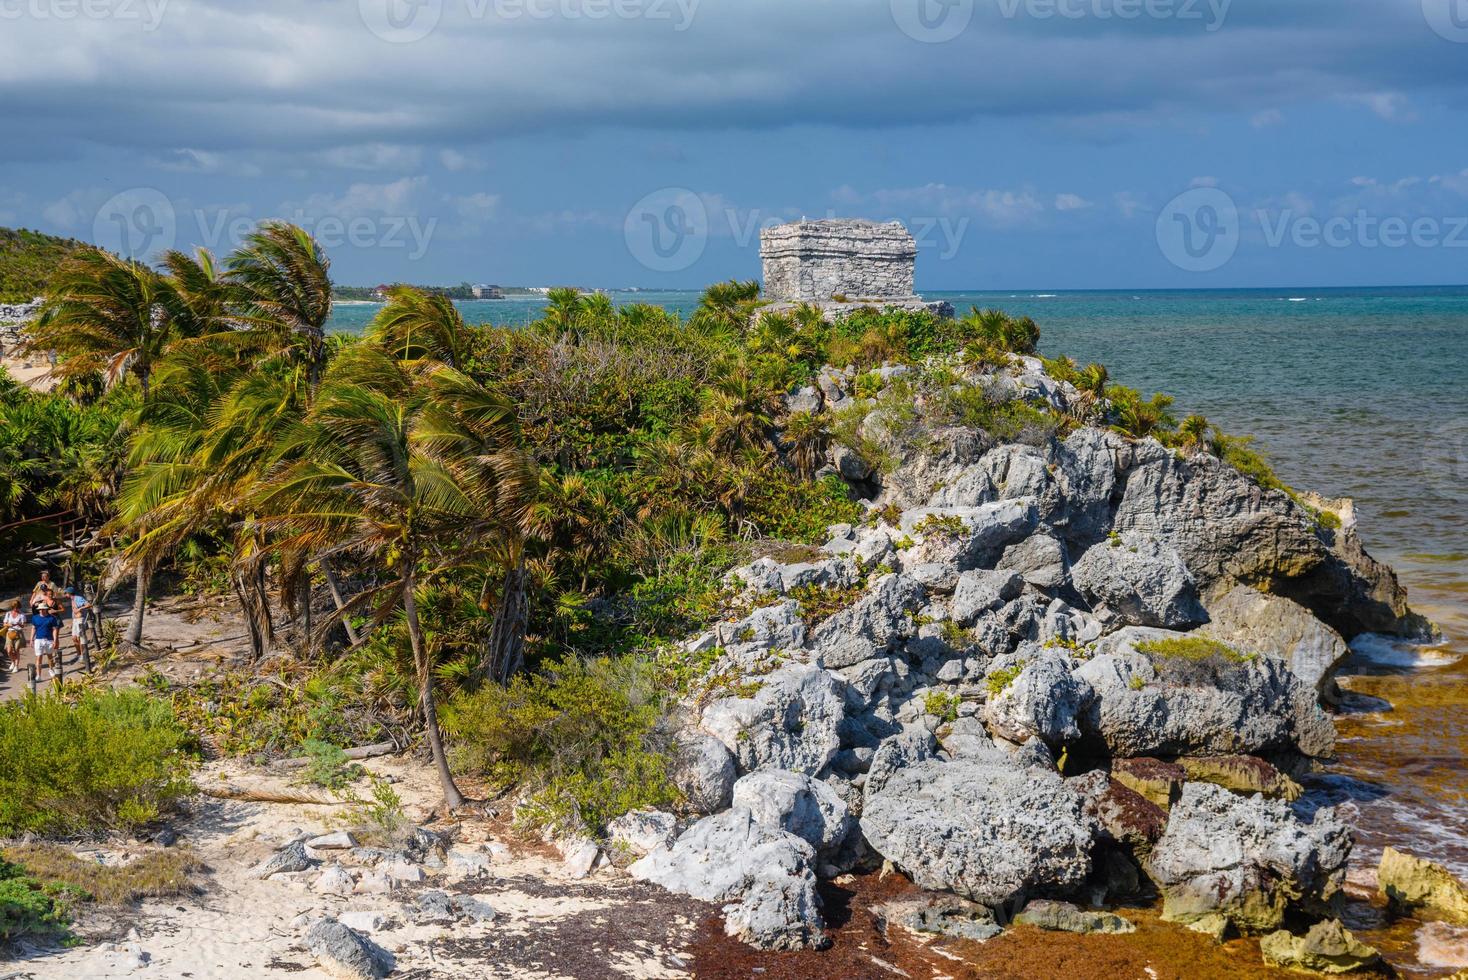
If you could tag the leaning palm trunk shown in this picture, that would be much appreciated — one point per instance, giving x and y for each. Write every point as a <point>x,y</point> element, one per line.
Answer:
<point>336,598</point>
<point>452,797</point>
<point>142,577</point>
<point>506,652</point>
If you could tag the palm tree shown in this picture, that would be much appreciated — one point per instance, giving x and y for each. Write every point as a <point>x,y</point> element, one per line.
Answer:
<point>402,464</point>
<point>106,315</point>
<point>416,324</point>
<point>283,293</point>
<point>726,308</point>
<point>1197,435</point>
<point>805,439</point>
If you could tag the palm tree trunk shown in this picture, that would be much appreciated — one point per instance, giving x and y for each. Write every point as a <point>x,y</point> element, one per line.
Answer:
<point>140,600</point>
<point>451,795</point>
<point>506,651</point>
<point>249,588</point>
<point>336,597</point>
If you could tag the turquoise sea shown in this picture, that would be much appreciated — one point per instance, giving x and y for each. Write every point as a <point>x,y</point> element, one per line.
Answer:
<point>1359,393</point>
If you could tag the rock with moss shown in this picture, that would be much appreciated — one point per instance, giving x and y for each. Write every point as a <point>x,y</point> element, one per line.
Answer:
<point>968,537</point>
<point>1327,948</point>
<point>1141,581</point>
<point>1064,917</point>
<point>1251,860</point>
<point>1160,783</point>
<point>1241,774</point>
<point>1043,700</point>
<point>1248,619</point>
<point>942,915</point>
<point>1169,694</point>
<point>792,721</point>
<point>1409,882</point>
<point>982,828</point>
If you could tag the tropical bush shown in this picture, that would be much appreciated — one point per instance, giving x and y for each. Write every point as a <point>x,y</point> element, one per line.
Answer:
<point>581,739</point>
<point>106,760</point>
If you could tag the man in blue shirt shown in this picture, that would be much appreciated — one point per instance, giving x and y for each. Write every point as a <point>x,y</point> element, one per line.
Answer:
<point>46,625</point>
<point>80,610</point>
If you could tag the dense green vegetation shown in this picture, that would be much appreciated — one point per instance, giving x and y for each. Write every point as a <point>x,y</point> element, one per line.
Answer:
<point>103,760</point>
<point>27,261</point>
<point>496,533</point>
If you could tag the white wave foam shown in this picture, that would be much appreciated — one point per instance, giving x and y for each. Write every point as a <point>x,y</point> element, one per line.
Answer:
<point>1391,651</point>
<point>1442,945</point>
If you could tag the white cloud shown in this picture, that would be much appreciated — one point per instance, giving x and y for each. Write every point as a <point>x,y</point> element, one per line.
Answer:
<point>1266,118</point>
<point>1203,182</point>
<point>397,198</point>
<point>1128,203</point>
<point>1391,106</point>
<point>374,156</point>
<point>480,206</point>
<point>1071,202</point>
<point>456,162</point>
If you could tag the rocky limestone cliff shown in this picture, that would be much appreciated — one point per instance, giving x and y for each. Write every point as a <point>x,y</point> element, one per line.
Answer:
<point>1023,631</point>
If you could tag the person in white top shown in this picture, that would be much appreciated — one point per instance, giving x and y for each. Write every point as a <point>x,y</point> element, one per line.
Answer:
<point>80,610</point>
<point>14,628</point>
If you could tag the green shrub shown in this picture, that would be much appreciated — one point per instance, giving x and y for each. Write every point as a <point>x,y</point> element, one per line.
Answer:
<point>155,874</point>
<point>379,820</point>
<point>327,765</point>
<point>1000,680</point>
<point>942,705</point>
<point>581,739</point>
<point>30,909</point>
<point>108,760</point>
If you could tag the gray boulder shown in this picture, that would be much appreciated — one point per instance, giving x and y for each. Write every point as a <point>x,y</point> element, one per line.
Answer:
<point>981,828</point>
<point>979,591</point>
<point>638,833</point>
<point>792,722</point>
<point>898,752</point>
<point>703,768</point>
<point>1141,580</point>
<point>1160,703</point>
<point>1248,859</point>
<point>1085,464</point>
<point>870,627</point>
<point>342,953</point>
<point>850,463</point>
<point>291,857</point>
<point>797,804</point>
<point>762,874</point>
<point>1277,627</point>
<point>1224,525</point>
<point>777,627</point>
<point>1044,700</point>
<point>969,537</point>
<point>1040,560</point>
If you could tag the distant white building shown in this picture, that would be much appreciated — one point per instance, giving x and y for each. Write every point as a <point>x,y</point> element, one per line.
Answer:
<point>486,292</point>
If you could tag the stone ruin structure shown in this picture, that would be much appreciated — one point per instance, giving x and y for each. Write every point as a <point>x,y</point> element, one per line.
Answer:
<point>841,264</point>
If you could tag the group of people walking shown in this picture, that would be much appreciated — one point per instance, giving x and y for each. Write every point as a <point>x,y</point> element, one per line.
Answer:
<point>48,606</point>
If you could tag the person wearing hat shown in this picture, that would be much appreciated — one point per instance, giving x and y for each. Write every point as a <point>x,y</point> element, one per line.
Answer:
<point>44,627</point>
<point>14,628</point>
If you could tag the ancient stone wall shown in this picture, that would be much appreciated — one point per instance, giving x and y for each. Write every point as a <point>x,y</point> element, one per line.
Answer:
<point>815,261</point>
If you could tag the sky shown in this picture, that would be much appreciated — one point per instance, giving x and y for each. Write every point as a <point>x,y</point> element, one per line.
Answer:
<point>1026,144</point>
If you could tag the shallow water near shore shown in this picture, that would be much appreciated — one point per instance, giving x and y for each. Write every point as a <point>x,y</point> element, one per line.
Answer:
<point>1350,392</point>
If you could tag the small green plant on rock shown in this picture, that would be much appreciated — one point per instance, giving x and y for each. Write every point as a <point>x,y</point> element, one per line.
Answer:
<point>942,705</point>
<point>999,680</point>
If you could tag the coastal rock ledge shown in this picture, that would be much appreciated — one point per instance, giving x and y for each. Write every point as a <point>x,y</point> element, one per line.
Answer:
<point>1071,665</point>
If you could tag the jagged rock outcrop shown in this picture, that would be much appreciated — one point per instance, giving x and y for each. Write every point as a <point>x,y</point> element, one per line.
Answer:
<point>1409,882</point>
<point>1249,860</point>
<point>1141,581</point>
<point>1094,602</point>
